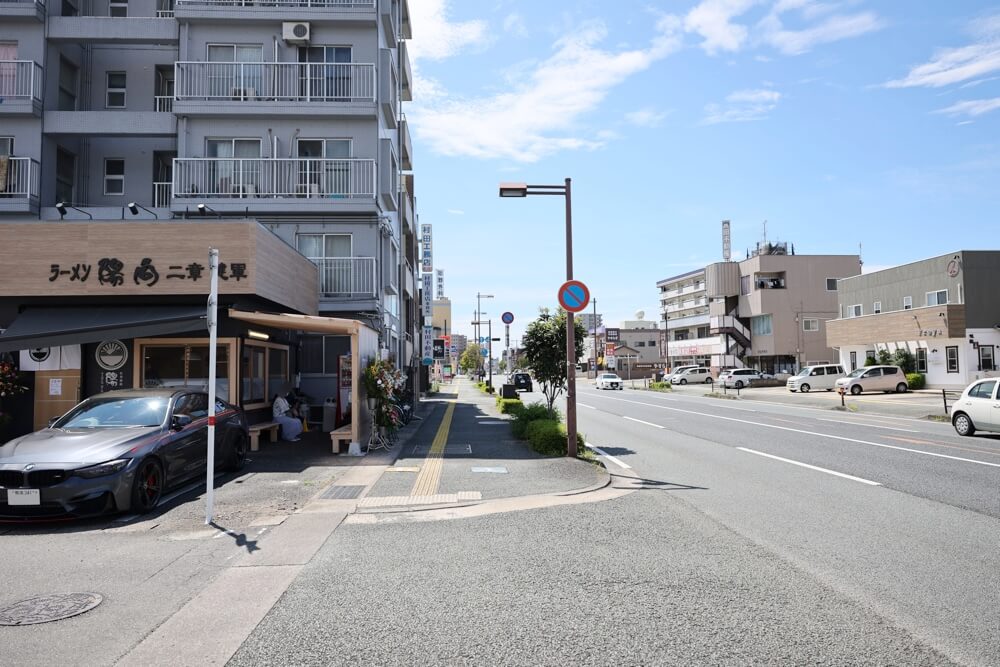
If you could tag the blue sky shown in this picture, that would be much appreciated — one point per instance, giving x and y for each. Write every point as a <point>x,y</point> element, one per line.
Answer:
<point>838,122</point>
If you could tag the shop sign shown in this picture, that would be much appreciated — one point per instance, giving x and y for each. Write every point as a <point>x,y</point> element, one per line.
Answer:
<point>613,335</point>
<point>931,333</point>
<point>426,300</point>
<point>111,355</point>
<point>609,349</point>
<point>112,272</point>
<point>111,380</point>
<point>39,354</point>
<point>428,342</point>
<point>426,254</point>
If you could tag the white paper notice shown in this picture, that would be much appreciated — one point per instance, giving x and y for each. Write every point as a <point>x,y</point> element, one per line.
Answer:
<point>55,386</point>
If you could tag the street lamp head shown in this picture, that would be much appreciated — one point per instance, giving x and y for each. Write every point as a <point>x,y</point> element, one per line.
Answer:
<point>132,208</point>
<point>513,189</point>
<point>61,207</point>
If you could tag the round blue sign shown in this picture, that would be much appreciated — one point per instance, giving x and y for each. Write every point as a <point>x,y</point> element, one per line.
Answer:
<point>574,296</point>
<point>507,317</point>
<point>428,361</point>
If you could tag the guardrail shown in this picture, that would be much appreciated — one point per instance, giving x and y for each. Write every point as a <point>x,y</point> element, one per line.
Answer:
<point>283,82</point>
<point>265,177</point>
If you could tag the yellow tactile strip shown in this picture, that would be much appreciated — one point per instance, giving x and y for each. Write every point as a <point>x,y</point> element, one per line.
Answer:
<point>430,473</point>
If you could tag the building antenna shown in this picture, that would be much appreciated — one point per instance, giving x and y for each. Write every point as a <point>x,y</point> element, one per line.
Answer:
<point>765,232</point>
<point>861,262</point>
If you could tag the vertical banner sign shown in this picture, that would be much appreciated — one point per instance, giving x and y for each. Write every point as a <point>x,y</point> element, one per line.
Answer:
<point>426,297</point>
<point>440,283</point>
<point>428,343</point>
<point>426,254</point>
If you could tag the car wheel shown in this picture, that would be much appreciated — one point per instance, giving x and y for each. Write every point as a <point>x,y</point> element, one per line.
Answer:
<point>901,388</point>
<point>622,388</point>
<point>708,380</point>
<point>683,381</point>
<point>739,384</point>
<point>963,425</point>
<point>856,389</point>
<point>147,487</point>
<point>804,388</point>
<point>237,453</point>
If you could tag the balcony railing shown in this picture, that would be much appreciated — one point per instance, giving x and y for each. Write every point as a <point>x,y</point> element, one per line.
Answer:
<point>19,178</point>
<point>20,80</point>
<point>351,277</point>
<point>295,82</point>
<point>263,177</point>
<point>161,194</point>
<point>340,5</point>
<point>163,103</point>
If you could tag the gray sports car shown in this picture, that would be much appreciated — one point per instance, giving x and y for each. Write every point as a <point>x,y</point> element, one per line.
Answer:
<point>117,451</point>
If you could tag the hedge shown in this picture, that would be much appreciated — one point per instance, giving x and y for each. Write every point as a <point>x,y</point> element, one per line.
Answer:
<point>915,380</point>
<point>510,406</point>
<point>548,437</point>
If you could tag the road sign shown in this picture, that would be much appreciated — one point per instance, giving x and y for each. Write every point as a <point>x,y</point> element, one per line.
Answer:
<point>507,318</point>
<point>574,296</point>
<point>453,349</point>
<point>484,352</point>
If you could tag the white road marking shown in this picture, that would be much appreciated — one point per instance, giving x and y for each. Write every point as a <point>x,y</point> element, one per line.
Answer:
<point>584,405</point>
<point>608,456</point>
<point>819,435</point>
<point>859,423</point>
<point>806,465</point>
<point>633,419</point>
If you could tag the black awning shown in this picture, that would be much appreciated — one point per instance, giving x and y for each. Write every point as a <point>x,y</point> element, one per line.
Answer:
<point>51,327</point>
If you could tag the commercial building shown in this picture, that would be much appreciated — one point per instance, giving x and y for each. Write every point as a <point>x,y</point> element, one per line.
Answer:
<point>771,310</point>
<point>684,311</point>
<point>943,311</point>
<point>173,120</point>
<point>590,320</point>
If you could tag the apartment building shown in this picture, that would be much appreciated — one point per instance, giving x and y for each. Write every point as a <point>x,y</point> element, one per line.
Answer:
<point>285,116</point>
<point>771,309</point>
<point>942,310</point>
<point>684,311</point>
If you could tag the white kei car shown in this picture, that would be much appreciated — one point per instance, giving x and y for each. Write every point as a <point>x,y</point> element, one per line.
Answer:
<point>977,409</point>
<point>609,381</point>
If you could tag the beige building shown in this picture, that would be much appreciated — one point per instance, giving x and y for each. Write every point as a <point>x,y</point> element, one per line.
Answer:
<point>771,309</point>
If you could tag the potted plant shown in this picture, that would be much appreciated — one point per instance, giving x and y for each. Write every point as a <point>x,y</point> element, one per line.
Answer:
<point>11,385</point>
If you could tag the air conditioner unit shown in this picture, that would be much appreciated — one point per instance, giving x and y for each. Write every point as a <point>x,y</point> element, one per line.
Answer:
<point>295,32</point>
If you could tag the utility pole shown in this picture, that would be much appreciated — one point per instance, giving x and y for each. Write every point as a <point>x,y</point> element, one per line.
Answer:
<point>595,338</point>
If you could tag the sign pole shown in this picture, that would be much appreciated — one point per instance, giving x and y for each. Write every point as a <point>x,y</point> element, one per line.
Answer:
<point>213,306</point>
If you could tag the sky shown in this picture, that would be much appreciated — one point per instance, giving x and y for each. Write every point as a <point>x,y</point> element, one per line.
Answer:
<point>833,123</point>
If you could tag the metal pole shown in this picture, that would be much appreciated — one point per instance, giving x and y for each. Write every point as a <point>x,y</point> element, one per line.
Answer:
<point>570,337</point>
<point>489,359</point>
<point>213,300</point>
<point>595,339</point>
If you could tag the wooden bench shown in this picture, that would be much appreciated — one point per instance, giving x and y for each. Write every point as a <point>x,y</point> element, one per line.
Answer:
<point>255,430</point>
<point>340,435</point>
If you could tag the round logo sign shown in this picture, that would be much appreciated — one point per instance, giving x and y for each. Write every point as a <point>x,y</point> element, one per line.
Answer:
<point>954,267</point>
<point>111,355</point>
<point>39,354</point>
<point>507,317</point>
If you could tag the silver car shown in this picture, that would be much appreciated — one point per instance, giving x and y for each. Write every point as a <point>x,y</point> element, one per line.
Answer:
<point>874,378</point>
<point>117,451</point>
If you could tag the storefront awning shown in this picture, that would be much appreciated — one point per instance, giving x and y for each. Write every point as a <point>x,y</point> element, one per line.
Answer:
<point>52,327</point>
<point>310,323</point>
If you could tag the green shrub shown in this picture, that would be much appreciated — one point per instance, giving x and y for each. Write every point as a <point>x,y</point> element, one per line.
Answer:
<point>905,360</point>
<point>510,406</point>
<point>548,438</point>
<point>529,414</point>
<point>884,357</point>
<point>660,386</point>
<point>915,380</point>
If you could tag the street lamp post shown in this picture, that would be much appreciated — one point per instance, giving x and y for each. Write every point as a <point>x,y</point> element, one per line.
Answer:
<point>523,190</point>
<point>595,338</point>
<point>479,314</point>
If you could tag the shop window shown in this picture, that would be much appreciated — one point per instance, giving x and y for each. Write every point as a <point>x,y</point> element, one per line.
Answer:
<point>277,370</point>
<point>184,366</point>
<point>254,378</point>
<point>115,98</point>
<point>114,176</point>
<point>921,360</point>
<point>951,355</point>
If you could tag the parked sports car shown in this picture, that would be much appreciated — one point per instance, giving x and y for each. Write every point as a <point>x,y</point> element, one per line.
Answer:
<point>118,451</point>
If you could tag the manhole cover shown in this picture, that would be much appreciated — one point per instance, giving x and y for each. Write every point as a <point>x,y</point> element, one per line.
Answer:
<point>48,608</point>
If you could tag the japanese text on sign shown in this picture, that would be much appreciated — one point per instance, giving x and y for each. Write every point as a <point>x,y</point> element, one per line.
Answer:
<point>111,271</point>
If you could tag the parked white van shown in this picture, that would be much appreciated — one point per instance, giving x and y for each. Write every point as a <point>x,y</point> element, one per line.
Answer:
<point>696,374</point>
<point>821,376</point>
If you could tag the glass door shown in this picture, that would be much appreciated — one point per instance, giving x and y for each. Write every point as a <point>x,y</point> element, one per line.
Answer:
<point>326,72</point>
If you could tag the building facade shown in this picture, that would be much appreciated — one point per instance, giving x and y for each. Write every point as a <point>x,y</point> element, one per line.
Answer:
<point>770,311</point>
<point>943,311</point>
<point>204,111</point>
<point>684,311</point>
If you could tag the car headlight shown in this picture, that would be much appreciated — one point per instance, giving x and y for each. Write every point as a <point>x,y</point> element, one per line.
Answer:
<point>102,469</point>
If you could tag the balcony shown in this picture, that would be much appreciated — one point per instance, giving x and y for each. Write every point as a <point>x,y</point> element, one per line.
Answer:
<point>239,185</point>
<point>158,27</point>
<point>406,145</point>
<point>12,10</point>
<point>251,88</point>
<point>405,74</point>
<point>20,86</point>
<point>346,277</point>
<point>277,10</point>
<point>19,185</point>
<point>388,87</point>
<point>162,193</point>
<point>116,123</point>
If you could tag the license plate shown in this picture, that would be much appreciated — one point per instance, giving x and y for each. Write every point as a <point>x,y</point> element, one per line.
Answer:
<point>24,497</point>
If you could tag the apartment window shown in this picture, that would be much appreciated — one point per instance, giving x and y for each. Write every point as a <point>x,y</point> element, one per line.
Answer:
<point>69,8</point>
<point>681,335</point>
<point>118,8</point>
<point>703,332</point>
<point>69,75</point>
<point>651,343</point>
<point>323,166</point>
<point>907,302</point>
<point>921,360</point>
<point>810,324</point>
<point>328,75</point>
<point>116,90</point>
<point>951,355</point>
<point>114,176</point>
<point>640,343</point>
<point>877,307</point>
<point>760,325</point>
<point>855,311</point>
<point>745,285</point>
<point>6,146</point>
<point>986,362</point>
<point>831,284</point>
<point>938,298</point>
<point>65,176</point>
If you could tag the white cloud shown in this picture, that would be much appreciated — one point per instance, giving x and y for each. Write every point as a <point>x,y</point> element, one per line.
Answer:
<point>514,24</point>
<point>646,117</point>
<point>538,116</point>
<point>832,29</point>
<point>437,38</point>
<point>456,211</point>
<point>972,107</point>
<point>956,65</point>
<point>742,106</point>
<point>712,19</point>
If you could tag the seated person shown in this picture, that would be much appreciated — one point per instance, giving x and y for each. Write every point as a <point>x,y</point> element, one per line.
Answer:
<point>291,427</point>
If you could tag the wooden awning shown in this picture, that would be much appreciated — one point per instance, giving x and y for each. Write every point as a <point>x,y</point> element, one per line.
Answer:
<point>293,322</point>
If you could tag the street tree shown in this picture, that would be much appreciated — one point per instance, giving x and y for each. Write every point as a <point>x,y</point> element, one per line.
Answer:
<point>544,344</point>
<point>470,358</point>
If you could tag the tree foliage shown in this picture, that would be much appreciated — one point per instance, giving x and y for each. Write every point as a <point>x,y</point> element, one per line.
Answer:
<point>470,358</point>
<point>544,344</point>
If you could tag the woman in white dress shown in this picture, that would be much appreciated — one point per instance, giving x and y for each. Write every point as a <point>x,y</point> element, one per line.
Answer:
<point>291,427</point>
